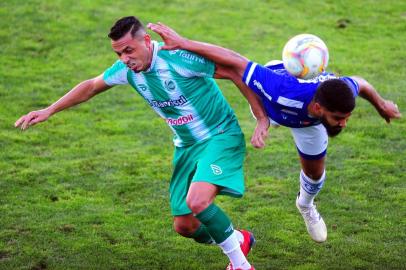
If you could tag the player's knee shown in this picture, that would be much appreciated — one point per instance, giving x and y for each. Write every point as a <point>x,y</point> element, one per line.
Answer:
<point>314,169</point>
<point>197,203</point>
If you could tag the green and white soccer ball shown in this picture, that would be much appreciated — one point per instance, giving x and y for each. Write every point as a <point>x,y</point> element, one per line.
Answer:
<point>305,56</point>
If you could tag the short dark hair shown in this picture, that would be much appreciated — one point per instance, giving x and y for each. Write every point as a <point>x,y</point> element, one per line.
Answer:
<point>335,95</point>
<point>123,25</point>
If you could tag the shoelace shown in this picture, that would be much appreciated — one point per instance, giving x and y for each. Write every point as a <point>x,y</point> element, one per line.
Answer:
<point>311,214</point>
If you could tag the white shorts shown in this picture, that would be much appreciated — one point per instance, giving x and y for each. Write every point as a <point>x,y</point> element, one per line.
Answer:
<point>311,142</point>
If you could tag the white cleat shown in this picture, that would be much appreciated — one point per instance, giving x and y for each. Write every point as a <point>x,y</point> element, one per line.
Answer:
<point>314,222</point>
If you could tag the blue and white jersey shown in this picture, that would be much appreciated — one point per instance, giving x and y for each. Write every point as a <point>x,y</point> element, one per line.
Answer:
<point>284,96</point>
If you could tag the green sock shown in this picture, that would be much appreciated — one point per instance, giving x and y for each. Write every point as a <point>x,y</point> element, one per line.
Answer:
<point>201,235</point>
<point>217,223</point>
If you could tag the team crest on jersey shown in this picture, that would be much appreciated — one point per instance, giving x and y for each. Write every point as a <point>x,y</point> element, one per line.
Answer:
<point>170,85</point>
<point>216,169</point>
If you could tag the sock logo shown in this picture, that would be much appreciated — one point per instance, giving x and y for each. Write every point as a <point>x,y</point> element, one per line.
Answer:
<point>216,169</point>
<point>229,229</point>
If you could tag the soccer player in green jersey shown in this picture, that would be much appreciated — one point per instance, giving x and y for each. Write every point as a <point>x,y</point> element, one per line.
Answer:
<point>209,144</point>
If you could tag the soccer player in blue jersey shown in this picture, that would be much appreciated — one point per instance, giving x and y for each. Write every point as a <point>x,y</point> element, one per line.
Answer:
<point>313,109</point>
<point>209,144</point>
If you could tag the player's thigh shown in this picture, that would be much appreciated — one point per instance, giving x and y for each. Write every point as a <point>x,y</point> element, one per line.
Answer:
<point>184,168</point>
<point>311,143</point>
<point>221,164</point>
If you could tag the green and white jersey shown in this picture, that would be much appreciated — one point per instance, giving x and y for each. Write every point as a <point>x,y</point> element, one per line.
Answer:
<point>179,86</point>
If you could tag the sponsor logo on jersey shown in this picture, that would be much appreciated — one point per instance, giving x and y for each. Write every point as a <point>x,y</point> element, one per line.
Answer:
<point>192,57</point>
<point>172,52</point>
<point>289,112</point>
<point>216,169</point>
<point>258,85</point>
<point>142,87</point>
<point>182,120</point>
<point>321,78</point>
<point>168,103</point>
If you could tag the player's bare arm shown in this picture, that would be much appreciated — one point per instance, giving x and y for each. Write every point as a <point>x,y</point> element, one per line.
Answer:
<point>261,130</point>
<point>217,54</point>
<point>386,108</point>
<point>80,93</point>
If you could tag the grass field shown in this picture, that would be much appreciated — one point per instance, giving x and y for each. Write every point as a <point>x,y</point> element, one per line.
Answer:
<point>88,189</point>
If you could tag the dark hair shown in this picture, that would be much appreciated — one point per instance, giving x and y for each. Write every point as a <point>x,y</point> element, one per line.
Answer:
<point>335,95</point>
<point>123,25</point>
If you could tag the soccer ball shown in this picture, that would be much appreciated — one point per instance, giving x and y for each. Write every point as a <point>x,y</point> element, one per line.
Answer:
<point>305,56</point>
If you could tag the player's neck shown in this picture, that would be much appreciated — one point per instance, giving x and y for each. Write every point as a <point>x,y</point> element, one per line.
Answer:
<point>151,55</point>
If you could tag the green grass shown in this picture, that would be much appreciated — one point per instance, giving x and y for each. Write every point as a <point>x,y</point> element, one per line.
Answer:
<point>89,188</point>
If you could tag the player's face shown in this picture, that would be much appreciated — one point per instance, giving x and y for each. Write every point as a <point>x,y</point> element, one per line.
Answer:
<point>135,52</point>
<point>334,122</point>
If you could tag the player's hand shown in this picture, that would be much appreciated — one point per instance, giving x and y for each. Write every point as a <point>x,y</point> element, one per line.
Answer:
<point>172,39</point>
<point>32,118</point>
<point>260,133</point>
<point>389,111</point>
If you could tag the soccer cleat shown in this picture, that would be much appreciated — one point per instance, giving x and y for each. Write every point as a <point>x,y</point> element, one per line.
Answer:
<point>229,267</point>
<point>314,222</point>
<point>246,246</point>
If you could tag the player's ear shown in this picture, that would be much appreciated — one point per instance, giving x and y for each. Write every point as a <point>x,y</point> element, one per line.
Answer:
<point>147,39</point>
<point>318,109</point>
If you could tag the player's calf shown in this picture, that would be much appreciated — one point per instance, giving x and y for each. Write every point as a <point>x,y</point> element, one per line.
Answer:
<point>185,225</point>
<point>188,226</point>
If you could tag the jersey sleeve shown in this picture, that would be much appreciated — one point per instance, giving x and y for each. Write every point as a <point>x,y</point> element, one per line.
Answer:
<point>189,64</point>
<point>116,74</point>
<point>352,84</point>
<point>262,80</point>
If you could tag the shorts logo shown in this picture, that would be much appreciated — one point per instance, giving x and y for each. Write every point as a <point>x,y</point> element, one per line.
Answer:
<point>216,169</point>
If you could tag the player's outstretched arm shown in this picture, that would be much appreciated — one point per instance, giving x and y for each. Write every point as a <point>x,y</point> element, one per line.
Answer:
<point>261,130</point>
<point>386,108</point>
<point>80,93</point>
<point>217,54</point>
